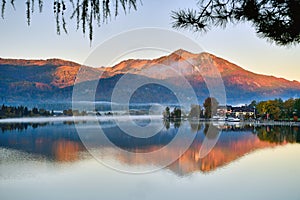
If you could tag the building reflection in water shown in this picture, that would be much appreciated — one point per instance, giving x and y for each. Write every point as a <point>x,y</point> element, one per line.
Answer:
<point>60,142</point>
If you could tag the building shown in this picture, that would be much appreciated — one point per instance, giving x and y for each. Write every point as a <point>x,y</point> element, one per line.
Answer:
<point>241,112</point>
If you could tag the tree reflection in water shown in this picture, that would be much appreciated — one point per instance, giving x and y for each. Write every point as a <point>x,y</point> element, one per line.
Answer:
<point>19,126</point>
<point>174,122</point>
<point>60,142</point>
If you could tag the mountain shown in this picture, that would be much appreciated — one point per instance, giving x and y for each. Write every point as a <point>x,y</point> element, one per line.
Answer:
<point>53,79</point>
<point>38,80</point>
<point>240,84</point>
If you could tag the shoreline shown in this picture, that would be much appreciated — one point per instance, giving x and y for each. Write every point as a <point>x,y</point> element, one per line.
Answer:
<point>254,123</point>
<point>138,117</point>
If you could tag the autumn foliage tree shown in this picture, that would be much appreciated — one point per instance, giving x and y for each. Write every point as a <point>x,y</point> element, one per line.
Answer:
<point>279,110</point>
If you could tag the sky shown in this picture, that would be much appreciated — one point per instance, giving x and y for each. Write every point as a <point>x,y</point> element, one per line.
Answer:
<point>236,43</point>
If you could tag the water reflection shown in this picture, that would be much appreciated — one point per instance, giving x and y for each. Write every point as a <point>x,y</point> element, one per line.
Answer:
<point>19,126</point>
<point>174,122</point>
<point>57,142</point>
<point>60,142</point>
<point>279,135</point>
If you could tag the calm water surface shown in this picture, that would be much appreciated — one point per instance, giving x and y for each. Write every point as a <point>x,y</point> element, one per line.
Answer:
<point>49,161</point>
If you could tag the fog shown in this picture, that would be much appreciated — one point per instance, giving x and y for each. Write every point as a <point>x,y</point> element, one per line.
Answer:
<point>77,118</point>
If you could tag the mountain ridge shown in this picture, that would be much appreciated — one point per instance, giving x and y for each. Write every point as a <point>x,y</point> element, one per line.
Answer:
<point>54,78</point>
<point>63,62</point>
<point>37,62</point>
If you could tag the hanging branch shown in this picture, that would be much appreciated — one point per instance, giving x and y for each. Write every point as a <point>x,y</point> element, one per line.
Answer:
<point>40,6</point>
<point>12,2</point>
<point>85,12</point>
<point>28,12</point>
<point>63,16</point>
<point>3,8</point>
<point>32,6</point>
<point>91,26</point>
<point>116,8</point>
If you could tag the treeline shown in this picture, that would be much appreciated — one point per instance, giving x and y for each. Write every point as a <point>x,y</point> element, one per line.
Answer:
<point>278,109</point>
<point>22,111</point>
<point>210,106</point>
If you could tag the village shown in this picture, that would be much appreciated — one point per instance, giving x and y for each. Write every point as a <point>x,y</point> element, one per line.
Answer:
<point>271,110</point>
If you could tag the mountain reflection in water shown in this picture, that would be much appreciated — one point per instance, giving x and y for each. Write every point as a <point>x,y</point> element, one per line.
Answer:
<point>59,142</point>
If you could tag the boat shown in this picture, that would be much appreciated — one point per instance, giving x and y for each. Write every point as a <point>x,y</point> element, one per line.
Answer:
<point>218,118</point>
<point>233,119</point>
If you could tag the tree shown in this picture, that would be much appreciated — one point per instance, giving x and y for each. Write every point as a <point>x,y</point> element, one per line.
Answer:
<point>68,112</point>
<point>176,114</point>
<point>288,108</point>
<point>35,111</point>
<point>86,12</point>
<point>195,111</point>
<point>253,104</point>
<point>210,104</point>
<point>297,107</point>
<point>261,108</point>
<point>166,113</point>
<point>26,112</point>
<point>276,20</point>
<point>273,108</point>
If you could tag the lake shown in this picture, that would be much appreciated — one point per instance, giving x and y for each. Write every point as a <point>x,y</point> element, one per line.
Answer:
<point>183,160</point>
